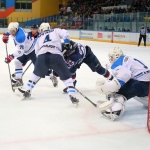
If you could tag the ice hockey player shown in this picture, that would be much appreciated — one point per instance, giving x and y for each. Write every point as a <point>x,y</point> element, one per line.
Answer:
<point>76,54</point>
<point>48,50</point>
<point>131,80</point>
<point>24,49</point>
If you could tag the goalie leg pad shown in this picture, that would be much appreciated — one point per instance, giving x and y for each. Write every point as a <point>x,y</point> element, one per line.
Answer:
<point>113,109</point>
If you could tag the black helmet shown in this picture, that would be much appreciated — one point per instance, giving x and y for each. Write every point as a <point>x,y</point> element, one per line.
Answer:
<point>35,26</point>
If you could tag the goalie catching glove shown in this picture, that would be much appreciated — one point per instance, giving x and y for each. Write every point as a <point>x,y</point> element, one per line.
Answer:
<point>107,86</point>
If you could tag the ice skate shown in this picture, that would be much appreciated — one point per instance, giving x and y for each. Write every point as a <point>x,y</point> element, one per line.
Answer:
<point>74,100</point>
<point>17,83</point>
<point>54,81</point>
<point>26,95</point>
<point>65,90</point>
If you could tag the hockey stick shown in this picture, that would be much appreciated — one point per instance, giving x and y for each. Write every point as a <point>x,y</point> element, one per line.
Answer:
<point>87,98</point>
<point>13,75</point>
<point>27,68</point>
<point>9,69</point>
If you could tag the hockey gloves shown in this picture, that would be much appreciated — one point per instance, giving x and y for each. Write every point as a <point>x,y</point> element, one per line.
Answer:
<point>5,37</point>
<point>9,59</point>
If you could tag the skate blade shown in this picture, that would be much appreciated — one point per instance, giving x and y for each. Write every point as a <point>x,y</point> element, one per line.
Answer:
<point>55,85</point>
<point>13,89</point>
<point>26,98</point>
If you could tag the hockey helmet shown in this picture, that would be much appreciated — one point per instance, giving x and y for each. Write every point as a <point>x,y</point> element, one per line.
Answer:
<point>13,26</point>
<point>115,54</point>
<point>44,26</point>
<point>35,26</point>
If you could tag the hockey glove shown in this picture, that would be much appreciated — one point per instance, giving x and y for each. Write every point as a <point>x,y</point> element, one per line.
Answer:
<point>9,59</point>
<point>5,37</point>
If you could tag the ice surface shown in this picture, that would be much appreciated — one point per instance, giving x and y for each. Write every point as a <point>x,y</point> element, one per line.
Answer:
<point>49,121</point>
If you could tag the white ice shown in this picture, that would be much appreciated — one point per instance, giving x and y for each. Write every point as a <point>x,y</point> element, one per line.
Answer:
<point>49,121</point>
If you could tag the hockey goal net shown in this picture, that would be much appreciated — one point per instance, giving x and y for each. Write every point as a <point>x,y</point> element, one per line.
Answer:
<point>148,118</point>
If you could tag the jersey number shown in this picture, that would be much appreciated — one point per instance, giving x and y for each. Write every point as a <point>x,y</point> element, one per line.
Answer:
<point>47,38</point>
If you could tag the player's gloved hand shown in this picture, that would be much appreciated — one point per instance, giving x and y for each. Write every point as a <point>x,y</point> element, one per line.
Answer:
<point>9,59</point>
<point>5,37</point>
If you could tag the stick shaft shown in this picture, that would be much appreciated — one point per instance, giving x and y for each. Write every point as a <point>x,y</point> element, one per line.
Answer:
<point>87,98</point>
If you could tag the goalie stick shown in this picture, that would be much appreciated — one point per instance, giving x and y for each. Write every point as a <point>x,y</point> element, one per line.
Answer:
<point>87,98</point>
<point>148,116</point>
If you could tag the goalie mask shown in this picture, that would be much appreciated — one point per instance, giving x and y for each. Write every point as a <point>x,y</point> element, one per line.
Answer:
<point>115,54</point>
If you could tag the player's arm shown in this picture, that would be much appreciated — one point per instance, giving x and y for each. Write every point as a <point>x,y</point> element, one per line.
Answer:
<point>110,86</point>
<point>123,75</point>
<point>19,43</point>
<point>63,34</point>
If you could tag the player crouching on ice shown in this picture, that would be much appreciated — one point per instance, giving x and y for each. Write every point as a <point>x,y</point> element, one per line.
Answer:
<point>131,79</point>
<point>77,54</point>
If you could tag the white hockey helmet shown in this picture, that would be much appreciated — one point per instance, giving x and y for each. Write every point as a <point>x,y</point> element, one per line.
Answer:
<point>13,26</point>
<point>115,54</point>
<point>44,26</point>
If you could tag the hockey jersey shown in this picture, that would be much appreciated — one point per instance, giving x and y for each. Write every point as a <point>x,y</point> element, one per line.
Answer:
<point>50,41</point>
<point>75,60</point>
<point>24,43</point>
<point>126,68</point>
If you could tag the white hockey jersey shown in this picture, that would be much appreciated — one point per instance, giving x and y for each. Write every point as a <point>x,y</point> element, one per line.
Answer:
<point>126,68</point>
<point>50,41</point>
<point>24,43</point>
